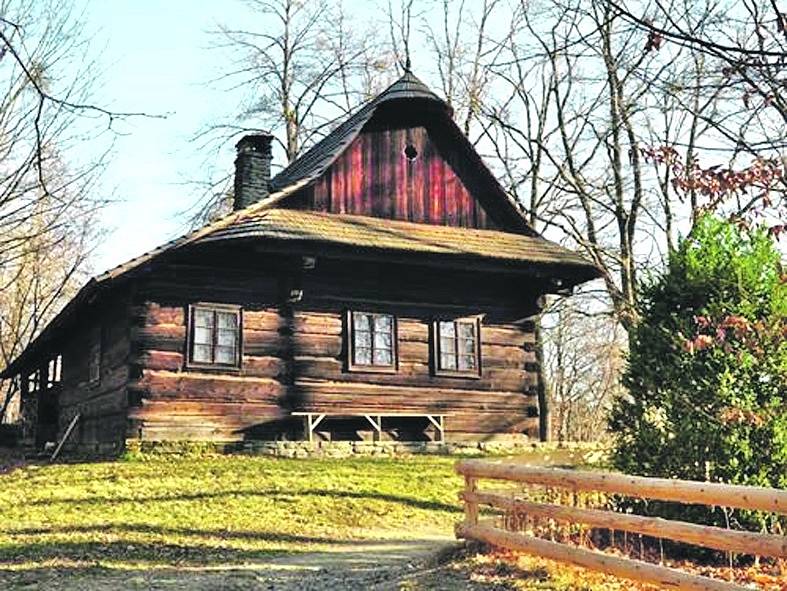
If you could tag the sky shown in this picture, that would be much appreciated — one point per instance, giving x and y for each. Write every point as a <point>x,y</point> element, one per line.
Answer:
<point>154,56</point>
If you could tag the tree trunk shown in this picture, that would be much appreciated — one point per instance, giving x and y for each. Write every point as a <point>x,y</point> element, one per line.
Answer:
<point>542,388</point>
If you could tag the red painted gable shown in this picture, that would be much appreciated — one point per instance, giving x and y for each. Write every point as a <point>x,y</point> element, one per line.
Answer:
<point>374,176</point>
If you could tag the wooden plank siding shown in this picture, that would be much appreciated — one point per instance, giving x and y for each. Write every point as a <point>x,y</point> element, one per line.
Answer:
<point>374,177</point>
<point>102,405</point>
<point>296,360</point>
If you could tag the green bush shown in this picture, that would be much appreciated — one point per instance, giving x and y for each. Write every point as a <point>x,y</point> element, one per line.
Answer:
<point>707,371</point>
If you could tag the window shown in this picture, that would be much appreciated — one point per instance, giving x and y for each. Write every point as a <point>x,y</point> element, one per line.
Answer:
<point>457,347</point>
<point>54,370</point>
<point>32,382</point>
<point>373,340</point>
<point>214,336</point>
<point>94,357</point>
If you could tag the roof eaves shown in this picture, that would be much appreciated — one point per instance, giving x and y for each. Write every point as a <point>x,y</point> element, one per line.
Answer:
<point>349,230</point>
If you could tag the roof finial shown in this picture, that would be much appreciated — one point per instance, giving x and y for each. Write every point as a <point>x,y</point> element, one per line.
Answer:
<point>407,64</point>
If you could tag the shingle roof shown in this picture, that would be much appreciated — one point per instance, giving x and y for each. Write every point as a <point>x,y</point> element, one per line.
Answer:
<point>369,233</point>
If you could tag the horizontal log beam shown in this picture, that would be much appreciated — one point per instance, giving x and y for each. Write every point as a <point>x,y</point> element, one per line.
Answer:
<point>743,542</point>
<point>635,570</point>
<point>753,498</point>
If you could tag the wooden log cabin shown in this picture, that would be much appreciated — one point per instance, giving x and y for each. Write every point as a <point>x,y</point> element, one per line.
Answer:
<point>383,285</point>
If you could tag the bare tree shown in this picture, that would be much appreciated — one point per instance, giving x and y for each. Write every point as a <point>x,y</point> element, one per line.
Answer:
<point>583,361</point>
<point>742,47</point>
<point>578,102</point>
<point>47,274</point>
<point>48,207</point>
<point>304,65</point>
<point>299,67</point>
<point>465,52</point>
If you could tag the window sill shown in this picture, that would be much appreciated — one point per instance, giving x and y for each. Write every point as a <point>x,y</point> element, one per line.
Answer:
<point>465,375</point>
<point>372,369</point>
<point>212,368</point>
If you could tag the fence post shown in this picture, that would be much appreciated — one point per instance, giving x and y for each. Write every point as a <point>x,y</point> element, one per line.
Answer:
<point>471,506</point>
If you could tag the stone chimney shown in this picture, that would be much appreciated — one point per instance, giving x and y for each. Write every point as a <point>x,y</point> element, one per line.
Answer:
<point>252,169</point>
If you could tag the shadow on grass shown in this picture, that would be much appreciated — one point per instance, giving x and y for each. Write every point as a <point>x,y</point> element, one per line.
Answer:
<point>115,528</point>
<point>272,495</point>
<point>389,498</point>
<point>186,554</point>
<point>189,552</point>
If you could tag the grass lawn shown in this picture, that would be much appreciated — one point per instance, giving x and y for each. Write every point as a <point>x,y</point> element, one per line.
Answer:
<point>239,522</point>
<point>216,509</point>
<point>206,513</point>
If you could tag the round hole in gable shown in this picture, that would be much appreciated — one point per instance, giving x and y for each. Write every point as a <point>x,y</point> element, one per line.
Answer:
<point>410,152</point>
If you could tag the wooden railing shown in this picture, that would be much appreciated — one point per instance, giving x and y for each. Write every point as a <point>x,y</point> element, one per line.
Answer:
<point>512,503</point>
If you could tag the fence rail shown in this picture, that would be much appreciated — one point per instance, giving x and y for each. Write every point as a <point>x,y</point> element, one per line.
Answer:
<point>733,496</point>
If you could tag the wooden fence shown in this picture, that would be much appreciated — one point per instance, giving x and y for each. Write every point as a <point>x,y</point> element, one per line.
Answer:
<point>722,495</point>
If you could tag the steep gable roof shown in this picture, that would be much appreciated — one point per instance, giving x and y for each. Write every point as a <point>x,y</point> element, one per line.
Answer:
<point>313,164</point>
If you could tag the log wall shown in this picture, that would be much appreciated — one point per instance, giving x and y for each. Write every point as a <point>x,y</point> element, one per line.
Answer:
<point>294,358</point>
<point>102,405</point>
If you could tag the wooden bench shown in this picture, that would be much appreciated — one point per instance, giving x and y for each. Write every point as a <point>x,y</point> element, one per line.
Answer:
<point>313,419</point>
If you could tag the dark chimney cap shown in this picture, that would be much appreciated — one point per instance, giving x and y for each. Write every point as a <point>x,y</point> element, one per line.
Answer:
<point>255,142</point>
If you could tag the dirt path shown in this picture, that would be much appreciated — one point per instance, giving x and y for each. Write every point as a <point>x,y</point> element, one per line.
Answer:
<point>412,565</point>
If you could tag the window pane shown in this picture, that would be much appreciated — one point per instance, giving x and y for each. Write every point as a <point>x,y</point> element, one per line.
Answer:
<point>467,330</point>
<point>373,339</point>
<point>203,336</point>
<point>227,319</point>
<point>382,340</point>
<point>58,368</point>
<point>227,338</point>
<point>447,329</point>
<point>203,354</point>
<point>363,339</point>
<point>203,317</point>
<point>363,356</point>
<point>447,345</point>
<point>361,321</point>
<point>466,362</point>
<point>383,357</point>
<point>383,323</point>
<point>467,346</point>
<point>225,355</point>
<point>447,361</point>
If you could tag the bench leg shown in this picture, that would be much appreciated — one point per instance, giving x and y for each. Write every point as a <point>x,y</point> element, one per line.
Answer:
<point>439,426</point>
<point>377,425</point>
<point>312,420</point>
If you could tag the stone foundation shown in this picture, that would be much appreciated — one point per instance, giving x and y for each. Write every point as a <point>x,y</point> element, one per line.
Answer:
<point>344,449</point>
